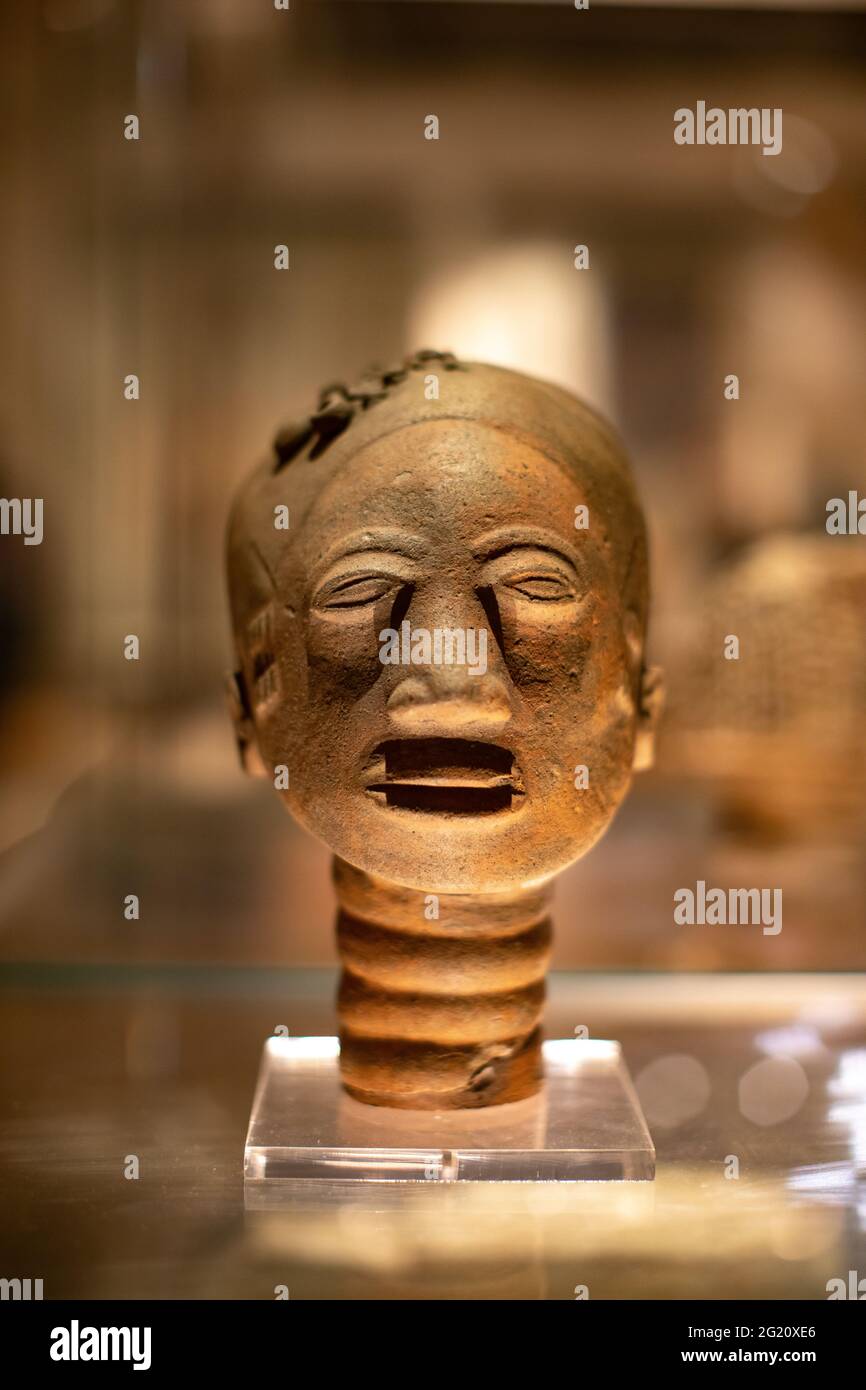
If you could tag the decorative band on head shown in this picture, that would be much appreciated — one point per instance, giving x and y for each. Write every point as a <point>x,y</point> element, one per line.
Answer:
<point>339,403</point>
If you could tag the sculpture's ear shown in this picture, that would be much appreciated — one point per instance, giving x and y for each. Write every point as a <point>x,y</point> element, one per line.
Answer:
<point>245,729</point>
<point>652,698</point>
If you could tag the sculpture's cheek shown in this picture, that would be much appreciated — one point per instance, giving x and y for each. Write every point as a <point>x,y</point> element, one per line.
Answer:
<point>338,677</point>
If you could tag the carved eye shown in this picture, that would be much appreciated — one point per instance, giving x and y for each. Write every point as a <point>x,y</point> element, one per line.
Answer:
<point>546,588</point>
<point>356,591</point>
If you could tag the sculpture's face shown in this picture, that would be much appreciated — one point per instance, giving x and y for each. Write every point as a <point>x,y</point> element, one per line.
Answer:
<point>450,777</point>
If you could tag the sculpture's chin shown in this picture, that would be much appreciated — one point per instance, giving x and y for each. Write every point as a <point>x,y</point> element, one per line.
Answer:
<point>450,842</point>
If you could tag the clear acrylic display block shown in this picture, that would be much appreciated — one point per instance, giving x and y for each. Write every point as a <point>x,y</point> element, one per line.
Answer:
<point>585,1124</point>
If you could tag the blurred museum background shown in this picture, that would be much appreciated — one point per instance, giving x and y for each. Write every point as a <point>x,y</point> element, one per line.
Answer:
<point>156,258</point>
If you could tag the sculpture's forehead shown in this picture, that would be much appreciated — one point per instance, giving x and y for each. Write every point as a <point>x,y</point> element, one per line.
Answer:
<point>447,479</point>
<point>444,473</point>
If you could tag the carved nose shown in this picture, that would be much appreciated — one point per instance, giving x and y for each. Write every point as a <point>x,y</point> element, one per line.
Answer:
<point>449,700</point>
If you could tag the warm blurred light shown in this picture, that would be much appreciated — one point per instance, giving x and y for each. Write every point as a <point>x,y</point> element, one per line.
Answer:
<point>783,184</point>
<point>839,1182</point>
<point>572,1053</point>
<point>848,1090</point>
<point>524,307</point>
<point>673,1089</point>
<point>807,161</point>
<point>795,1040</point>
<point>773,1090</point>
<point>318,1049</point>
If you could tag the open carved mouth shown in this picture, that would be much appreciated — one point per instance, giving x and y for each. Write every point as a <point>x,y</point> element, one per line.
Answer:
<point>445,776</point>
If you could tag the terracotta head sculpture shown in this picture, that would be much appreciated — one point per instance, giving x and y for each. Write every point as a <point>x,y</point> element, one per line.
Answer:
<point>439,597</point>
